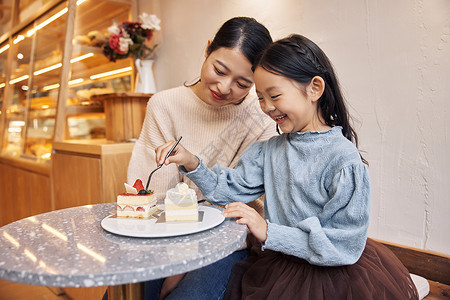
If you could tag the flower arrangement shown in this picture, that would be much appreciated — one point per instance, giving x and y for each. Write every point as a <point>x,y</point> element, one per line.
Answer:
<point>131,38</point>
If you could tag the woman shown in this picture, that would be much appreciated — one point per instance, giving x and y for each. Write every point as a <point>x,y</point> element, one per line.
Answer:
<point>218,118</point>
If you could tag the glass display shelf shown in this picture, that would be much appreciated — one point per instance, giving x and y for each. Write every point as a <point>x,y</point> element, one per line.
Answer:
<point>93,73</point>
<point>36,54</point>
<point>16,107</point>
<point>3,61</point>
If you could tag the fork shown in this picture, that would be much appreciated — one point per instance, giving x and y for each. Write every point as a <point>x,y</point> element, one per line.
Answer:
<point>160,166</point>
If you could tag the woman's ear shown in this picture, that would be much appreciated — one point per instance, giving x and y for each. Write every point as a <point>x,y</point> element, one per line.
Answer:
<point>207,47</point>
<point>315,88</point>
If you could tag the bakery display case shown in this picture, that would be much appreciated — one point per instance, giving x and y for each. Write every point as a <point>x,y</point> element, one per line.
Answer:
<point>51,68</point>
<point>37,66</point>
<point>54,133</point>
<point>67,113</point>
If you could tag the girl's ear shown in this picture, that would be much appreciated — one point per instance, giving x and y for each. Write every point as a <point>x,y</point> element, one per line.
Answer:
<point>315,88</point>
<point>206,49</point>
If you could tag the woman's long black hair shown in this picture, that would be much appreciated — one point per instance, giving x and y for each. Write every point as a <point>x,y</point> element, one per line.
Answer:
<point>244,33</point>
<point>300,59</point>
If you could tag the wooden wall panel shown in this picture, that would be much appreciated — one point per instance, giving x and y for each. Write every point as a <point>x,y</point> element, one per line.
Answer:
<point>114,175</point>
<point>7,195</point>
<point>21,203</point>
<point>24,193</point>
<point>39,194</point>
<point>76,180</point>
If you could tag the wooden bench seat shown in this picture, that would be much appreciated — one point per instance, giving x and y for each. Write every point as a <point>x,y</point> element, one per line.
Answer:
<point>433,266</point>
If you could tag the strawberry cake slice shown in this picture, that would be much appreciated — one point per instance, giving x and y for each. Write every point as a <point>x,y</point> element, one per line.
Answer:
<point>136,202</point>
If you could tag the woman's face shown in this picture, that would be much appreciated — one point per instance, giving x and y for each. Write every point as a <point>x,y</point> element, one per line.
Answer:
<point>226,77</point>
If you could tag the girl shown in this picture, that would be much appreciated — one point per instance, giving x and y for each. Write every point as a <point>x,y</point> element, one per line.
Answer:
<point>313,242</point>
<point>217,117</point>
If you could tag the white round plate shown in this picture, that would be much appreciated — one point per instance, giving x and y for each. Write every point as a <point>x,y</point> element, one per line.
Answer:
<point>149,228</point>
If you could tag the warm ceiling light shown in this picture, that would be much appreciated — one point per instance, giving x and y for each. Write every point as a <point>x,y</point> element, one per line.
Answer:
<point>96,76</point>
<point>4,48</point>
<point>59,65</point>
<point>50,87</point>
<point>75,81</point>
<point>73,60</point>
<point>44,70</point>
<point>18,39</point>
<point>51,19</point>
<point>18,79</point>
<point>17,123</point>
<point>2,85</point>
<point>56,85</point>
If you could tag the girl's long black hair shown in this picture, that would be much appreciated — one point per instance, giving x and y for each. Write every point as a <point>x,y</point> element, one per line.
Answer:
<point>300,59</point>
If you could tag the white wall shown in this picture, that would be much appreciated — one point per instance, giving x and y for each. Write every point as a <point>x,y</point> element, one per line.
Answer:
<point>393,61</point>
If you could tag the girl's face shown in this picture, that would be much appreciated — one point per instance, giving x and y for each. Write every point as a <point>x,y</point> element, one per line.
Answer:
<point>292,106</point>
<point>226,77</point>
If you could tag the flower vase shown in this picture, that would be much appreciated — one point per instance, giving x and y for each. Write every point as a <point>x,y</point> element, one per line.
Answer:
<point>145,81</point>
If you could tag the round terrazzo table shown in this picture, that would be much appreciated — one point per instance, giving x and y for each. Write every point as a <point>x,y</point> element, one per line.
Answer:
<point>69,248</point>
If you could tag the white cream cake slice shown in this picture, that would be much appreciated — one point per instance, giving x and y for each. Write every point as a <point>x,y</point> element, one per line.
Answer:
<point>181,204</point>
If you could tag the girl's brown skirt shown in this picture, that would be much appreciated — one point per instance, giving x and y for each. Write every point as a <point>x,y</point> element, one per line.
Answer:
<point>267,274</point>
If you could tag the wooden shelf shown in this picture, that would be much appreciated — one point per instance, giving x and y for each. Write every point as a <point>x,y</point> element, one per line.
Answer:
<point>95,147</point>
<point>83,109</point>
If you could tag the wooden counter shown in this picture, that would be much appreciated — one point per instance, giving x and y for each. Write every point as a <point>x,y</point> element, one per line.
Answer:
<point>24,188</point>
<point>88,171</point>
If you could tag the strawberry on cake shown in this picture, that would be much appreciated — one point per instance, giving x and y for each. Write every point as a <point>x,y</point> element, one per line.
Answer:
<point>136,202</point>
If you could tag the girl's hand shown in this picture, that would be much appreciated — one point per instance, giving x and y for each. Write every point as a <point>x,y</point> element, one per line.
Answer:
<point>179,156</point>
<point>248,216</point>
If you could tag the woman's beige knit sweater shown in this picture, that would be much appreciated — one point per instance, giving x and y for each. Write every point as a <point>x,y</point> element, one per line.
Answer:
<point>216,134</point>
